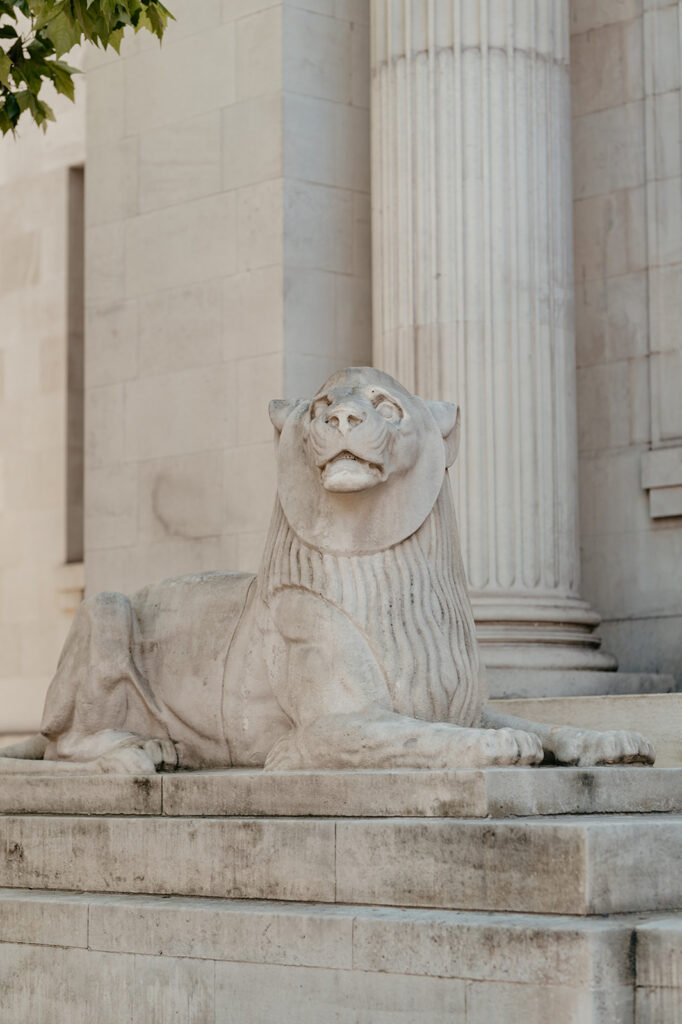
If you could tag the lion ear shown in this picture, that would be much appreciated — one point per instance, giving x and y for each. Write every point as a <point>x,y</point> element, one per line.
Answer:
<point>279,409</point>
<point>446,415</point>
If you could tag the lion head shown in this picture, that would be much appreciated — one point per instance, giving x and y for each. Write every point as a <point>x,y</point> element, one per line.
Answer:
<point>362,463</point>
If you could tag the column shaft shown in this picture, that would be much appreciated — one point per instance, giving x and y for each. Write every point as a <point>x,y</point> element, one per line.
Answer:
<point>473,293</point>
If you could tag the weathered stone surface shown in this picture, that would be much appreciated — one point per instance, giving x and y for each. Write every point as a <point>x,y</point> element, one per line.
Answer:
<point>604,864</point>
<point>565,865</point>
<point>331,793</point>
<point>659,953</point>
<point>264,859</point>
<point>210,961</point>
<point>255,993</point>
<point>80,794</point>
<point>46,919</point>
<point>495,792</point>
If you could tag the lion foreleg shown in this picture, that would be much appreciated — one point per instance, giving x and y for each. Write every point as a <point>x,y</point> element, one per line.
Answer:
<point>335,692</point>
<point>377,738</point>
<point>565,744</point>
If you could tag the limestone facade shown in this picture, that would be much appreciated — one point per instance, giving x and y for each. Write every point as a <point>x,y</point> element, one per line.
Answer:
<point>227,246</point>
<point>40,323</point>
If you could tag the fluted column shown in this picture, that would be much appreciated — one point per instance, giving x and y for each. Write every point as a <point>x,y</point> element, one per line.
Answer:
<point>473,294</point>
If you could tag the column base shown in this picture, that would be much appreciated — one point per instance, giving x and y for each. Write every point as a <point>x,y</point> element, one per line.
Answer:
<point>539,633</point>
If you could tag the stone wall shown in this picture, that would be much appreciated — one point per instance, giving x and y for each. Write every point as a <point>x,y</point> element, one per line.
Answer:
<point>627,110</point>
<point>228,262</point>
<point>40,246</point>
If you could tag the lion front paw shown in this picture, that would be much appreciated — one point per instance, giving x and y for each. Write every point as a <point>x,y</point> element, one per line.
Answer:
<point>140,756</point>
<point>489,748</point>
<point>587,747</point>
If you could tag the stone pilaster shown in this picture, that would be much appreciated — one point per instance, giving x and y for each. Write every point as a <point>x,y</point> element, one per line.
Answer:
<point>473,294</point>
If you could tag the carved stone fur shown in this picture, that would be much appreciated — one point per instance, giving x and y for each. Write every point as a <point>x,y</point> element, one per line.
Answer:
<point>353,647</point>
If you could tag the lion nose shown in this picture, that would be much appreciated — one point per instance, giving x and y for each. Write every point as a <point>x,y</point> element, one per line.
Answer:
<point>344,418</point>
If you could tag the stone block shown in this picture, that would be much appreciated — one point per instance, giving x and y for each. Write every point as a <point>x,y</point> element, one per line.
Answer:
<point>104,425</point>
<point>658,1005</point>
<point>259,225</point>
<point>562,1005</point>
<point>317,53</point>
<point>31,917</point>
<point>114,165</point>
<point>169,989</point>
<point>256,377</point>
<point>603,406</point>
<point>326,142</point>
<point>529,949</point>
<point>608,150</point>
<point>85,794</point>
<point>319,227</point>
<point>604,864</point>
<point>105,262</point>
<point>586,14</point>
<point>231,930</point>
<point>180,162</point>
<point>496,792</point>
<point>256,993</point>
<point>52,985</point>
<point>228,858</point>
<point>250,483</point>
<point>156,93</point>
<point>180,329</point>
<point>112,343</point>
<point>181,497</point>
<point>253,313</point>
<point>598,71</point>
<point>258,50</point>
<point>180,413</point>
<point>157,245</point>
<point>112,511</point>
<point>659,954</point>
<point>252,141</point>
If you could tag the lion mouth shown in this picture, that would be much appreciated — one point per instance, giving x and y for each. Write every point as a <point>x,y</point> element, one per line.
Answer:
<point>348,472</point>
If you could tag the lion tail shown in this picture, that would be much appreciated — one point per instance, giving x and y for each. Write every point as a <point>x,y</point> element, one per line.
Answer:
<point>26,758</point>
<point>31,749</point>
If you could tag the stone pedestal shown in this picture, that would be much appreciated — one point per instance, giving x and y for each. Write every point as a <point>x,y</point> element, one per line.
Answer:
<point>473,296</point>
<point>342,896</point>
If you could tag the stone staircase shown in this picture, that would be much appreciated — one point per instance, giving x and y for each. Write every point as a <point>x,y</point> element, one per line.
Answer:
<point>507,895</point>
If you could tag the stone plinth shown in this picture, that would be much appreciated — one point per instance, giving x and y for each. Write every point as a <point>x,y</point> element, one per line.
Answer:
<point>217,961</point>
<point>434,839</point>
<point>355,896</point>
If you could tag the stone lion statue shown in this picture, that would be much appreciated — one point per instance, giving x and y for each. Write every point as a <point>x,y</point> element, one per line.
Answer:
<point>353,647</point>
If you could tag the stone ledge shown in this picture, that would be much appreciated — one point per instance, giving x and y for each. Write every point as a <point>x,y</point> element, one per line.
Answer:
<point>530,948</point>
<point>535,684</point>
<point>568,865</point>
<point>254,962</point>
<point>497,793</point>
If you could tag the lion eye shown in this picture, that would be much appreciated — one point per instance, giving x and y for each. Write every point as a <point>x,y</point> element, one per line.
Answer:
<point>319,406</point>
<point>388,410</point>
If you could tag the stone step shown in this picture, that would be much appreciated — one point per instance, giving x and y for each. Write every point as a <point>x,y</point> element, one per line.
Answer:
<point>657,715</point>
<point>531,683</point>
<point>254,962</point>
<point>496,792</point>
<point>591,864</point>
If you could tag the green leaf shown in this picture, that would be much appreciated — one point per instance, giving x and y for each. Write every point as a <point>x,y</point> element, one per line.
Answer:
<point>5,68</point>
<point>64,33</point>
<point>62,76</point>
